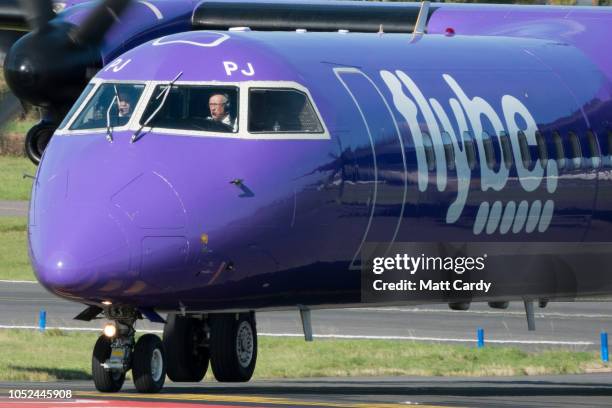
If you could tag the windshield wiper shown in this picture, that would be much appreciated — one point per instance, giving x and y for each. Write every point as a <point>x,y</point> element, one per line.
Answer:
<point>165,92</point>
<point>109,129</point>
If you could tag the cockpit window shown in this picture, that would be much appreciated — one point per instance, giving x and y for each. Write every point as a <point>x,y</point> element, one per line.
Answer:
<point>112,105</point>
<point>281,111</point>
<point>193,107</point>
<point>76,105</point>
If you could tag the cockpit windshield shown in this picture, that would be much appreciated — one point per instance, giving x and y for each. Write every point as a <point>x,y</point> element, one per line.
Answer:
<point>112,105</point>
<point>193,107</point>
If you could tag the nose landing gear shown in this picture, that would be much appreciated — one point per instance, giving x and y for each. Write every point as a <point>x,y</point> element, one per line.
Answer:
<point>105,378</point>
<point>113,356</point>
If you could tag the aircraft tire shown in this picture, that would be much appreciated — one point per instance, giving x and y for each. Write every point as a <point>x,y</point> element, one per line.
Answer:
<point>105,380</point>
<point>37,139</point>
<point>185,361</point>
<point>149,365</point>
<point>233,347</point>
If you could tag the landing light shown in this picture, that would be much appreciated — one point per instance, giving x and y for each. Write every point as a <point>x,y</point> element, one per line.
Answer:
<point>110,330</point>
<point>107,302</point>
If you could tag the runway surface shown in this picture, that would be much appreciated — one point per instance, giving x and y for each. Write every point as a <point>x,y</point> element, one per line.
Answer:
<point>14,208</point>
<point>589,390</point>
<point>573,325</point>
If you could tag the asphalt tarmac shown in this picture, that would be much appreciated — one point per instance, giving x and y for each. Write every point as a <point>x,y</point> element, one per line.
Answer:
<point>573,325</point>
<point>588,390</point>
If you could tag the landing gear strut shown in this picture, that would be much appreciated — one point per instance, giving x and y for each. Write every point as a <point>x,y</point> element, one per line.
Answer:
<point>116,352</point>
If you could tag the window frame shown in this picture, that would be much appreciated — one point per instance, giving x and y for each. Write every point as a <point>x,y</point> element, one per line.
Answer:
<point>607,158</point>
<point>243,88</point>
<point>594,149</point>
<point>221,87</point>
<point>430,156</point>
<point>560,155</point>
<point>505,146</point>
<point>72,115</point>
<point>489,150</point>
<point>542,149</point>
<point>97,82</point>
<point>449,150</point>
<point>259,88</point>
<point>575,149</point>
<point>469,146</point>
<point>525,150</point>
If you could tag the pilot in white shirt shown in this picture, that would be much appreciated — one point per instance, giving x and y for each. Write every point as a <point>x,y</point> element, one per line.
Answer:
<point>219,110</point>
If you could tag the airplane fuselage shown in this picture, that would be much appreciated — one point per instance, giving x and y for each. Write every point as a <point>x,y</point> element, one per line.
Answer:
<point>438,138</point>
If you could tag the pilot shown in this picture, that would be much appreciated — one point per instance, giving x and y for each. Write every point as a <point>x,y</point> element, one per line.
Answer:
<point>219,105</point>
<point>125,107</point>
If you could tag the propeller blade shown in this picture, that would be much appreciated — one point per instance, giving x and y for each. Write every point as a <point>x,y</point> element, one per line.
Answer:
<point>38,12</point>
<point>10,106</point>
<point>98,22</point>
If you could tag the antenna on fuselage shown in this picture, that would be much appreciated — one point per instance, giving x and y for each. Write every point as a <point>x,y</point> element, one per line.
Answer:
<point>419,27</point>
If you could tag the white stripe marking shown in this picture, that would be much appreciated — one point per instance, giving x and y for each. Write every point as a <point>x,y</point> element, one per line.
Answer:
<point>417,338</point>
<point>485,312</point>
<point>66,328</point>
<point>350,336</point>
<point>16,281</point>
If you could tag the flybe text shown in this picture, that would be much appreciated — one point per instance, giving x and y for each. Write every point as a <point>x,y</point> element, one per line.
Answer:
<point>467,115</point>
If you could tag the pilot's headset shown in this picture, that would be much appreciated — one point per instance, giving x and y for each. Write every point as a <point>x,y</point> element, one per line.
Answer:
<point>227,104</point>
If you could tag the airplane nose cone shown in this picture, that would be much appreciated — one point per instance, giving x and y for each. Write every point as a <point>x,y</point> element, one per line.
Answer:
<point>73,248</point>
<point>60,270</point>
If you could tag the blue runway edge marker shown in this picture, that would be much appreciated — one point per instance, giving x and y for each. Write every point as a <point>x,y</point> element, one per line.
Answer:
<point>604,346</point>
<point>480,333</point>
<point>42,320</point>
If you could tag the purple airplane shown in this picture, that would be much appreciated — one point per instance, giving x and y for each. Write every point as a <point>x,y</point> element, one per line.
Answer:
<point>211,159</point>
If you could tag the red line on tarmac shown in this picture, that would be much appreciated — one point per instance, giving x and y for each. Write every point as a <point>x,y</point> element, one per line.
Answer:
<point>95,403</point>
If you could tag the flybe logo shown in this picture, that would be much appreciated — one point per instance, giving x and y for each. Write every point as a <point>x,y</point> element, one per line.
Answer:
<point>468,114</point>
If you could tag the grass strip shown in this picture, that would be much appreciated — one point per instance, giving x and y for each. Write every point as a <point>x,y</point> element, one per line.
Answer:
<point>14,261</point>
<point>12,184</point>
<point>58,355</point>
